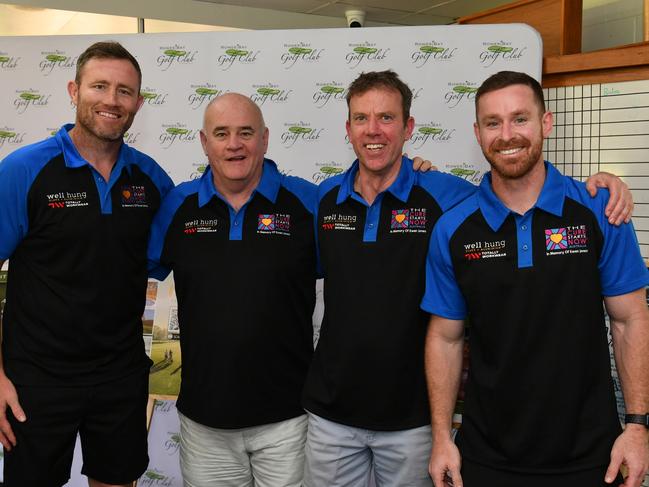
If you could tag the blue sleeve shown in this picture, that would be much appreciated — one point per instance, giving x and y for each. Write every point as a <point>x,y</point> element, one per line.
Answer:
<point>448,190</point>
<point>442,296</point>
<point>621,267</point>
<point>17,173</point>
<point>159,269</point>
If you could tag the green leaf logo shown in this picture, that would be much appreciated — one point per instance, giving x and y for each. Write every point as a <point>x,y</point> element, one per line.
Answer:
<point>206,91</point>
<point>300,130</point>
<point>236,52</point>
<point>154,475</point>
<point>496,48</point>
<point>4,134</point>
<point>26,95</point>
<point>268,91</point>
<point>332,89</point>
<point>55,57</point>
<point>458,171</point>
<point>174,53</point>
<point>431,49</point>
<point>464,89</point>
<point>177,131</point>
<point>4,59</point>
<point>300,50</point>
<point>365,50</point>
<point>147,95</point>
<point>329,170</point>
<point>430,130</point>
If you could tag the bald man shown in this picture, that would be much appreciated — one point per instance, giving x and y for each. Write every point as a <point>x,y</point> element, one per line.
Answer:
<point>240,242</point>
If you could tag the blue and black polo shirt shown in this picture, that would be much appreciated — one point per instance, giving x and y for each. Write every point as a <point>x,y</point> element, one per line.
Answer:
<point>78,274</point>
<point>539,397</point>
<point>368,367</point>
<point>245,283</point>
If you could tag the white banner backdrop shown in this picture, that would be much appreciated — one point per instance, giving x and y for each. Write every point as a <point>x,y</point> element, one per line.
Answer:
<point>297,77</point>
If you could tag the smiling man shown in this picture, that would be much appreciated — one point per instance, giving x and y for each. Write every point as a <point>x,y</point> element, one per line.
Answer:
<point>241,246</point>
<point>75,212</point>
<point>531,258</point>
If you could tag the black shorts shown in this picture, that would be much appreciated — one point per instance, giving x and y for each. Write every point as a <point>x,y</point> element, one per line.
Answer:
<point>474,475</point>
<point>110,419</point>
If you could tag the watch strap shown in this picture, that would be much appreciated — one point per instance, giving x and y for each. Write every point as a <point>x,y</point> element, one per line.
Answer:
<point>637,419</point>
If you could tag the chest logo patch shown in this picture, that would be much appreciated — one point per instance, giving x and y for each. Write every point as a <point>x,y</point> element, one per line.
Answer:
<point>408,220</point>
<point>274,224</point>
<point>134,197</point>
<point>67,199</point>
<point>485,250</point>
<point>201,225</point>
<point>566,240</point>
<point>336,221</point>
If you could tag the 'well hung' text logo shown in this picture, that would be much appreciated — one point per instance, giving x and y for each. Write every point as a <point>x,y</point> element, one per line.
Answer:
<point>299,53</point>
<point>173,56</point>
<point>494,51</point>
<point>365,52</point>
<point>431,51</point>
<point>236,54</point>
<point>56,60</point>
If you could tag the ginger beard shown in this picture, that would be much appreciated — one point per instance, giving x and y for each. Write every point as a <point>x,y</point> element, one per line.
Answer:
<point>107,123</point>
<point>514,158</point>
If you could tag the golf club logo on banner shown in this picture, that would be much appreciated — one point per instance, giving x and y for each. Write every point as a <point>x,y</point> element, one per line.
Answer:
<point>9,136</point>
<point>7,61</point>
<point>466,171</point>
<point>365,52</point>
<point>153,97</point>
<point>325,92</point>
<point>202,94</point>
<point>430,132</point>
<point>131,138</point>
<point>172,443</point>
<point>28,99</point>
<point>299,52</point>
<point>236,54</point>
<point>463,92</point>
<point>198,168</point>
<point>155,478</point>
<point>299,132</point>
<point>326,170</point>
<point>501,50</point>
<point>427,51</point>
<point>175,55</point>
<point>56,60</point>
<point>175,133</point>
<point>269,92</point>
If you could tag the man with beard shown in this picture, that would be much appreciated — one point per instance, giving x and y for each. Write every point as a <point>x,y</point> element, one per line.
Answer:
<point>75,211</point>
<point>529,257</point>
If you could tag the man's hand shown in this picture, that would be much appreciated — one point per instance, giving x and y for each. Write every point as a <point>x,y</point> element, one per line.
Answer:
<point>631,449</point>
<point>419,164</point>
<point>8,397</point>
<point>444,466</point>
<point>620,204</point>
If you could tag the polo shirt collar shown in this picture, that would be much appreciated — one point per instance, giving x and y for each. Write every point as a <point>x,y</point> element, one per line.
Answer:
<point>74,160</point>
<point>550,200</point>
<point>400,188</point>
<point>268,186</point>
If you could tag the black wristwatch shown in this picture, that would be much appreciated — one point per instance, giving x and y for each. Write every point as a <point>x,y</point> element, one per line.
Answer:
<point>637,419</point>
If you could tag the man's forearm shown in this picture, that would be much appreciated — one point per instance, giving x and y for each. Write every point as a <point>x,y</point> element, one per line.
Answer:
<point>443,361</point>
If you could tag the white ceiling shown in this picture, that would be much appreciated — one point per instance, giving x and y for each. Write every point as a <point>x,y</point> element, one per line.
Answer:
<point>277,14</point>
<point>397,12</point>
